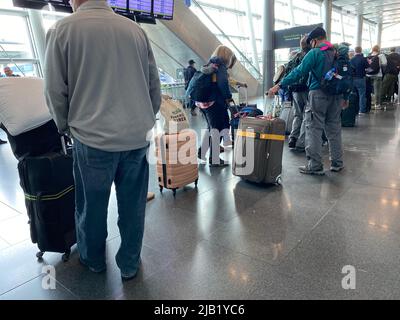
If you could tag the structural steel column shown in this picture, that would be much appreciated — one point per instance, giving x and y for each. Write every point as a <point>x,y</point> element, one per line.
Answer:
<point>252,36</point>
<point>292,19</point>
<point>268,44</point>
<point>39,33</point>
<point>327,8</point>
<point>360,27</point>
<point>379,34</point>
<point>343,29</point>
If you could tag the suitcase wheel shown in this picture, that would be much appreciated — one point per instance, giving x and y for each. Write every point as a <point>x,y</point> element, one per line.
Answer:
<point>39,255</point>
<point>65,256</point>
<point>278,181</point>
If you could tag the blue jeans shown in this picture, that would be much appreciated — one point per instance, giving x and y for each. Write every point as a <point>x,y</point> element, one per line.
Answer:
<point>95,171</point>
<point>360,84</point>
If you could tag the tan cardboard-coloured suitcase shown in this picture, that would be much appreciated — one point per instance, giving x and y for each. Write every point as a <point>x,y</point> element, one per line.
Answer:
<point>263,158</point>
<point>177,160</point>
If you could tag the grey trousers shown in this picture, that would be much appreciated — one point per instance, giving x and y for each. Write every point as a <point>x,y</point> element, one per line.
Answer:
<point>300,101</point>
<point>377,90</point>
<point>323,112</point>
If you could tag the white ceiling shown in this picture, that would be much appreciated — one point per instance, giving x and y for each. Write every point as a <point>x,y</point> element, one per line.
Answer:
<point>385,11</point>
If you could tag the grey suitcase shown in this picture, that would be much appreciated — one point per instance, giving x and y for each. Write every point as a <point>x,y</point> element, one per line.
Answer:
<point>287,115</point>
<point>259,150</point>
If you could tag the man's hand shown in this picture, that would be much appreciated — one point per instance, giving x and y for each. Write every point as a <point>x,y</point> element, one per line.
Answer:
<point>273,91</point>
<point>230,101</point>
<point>345,104</point>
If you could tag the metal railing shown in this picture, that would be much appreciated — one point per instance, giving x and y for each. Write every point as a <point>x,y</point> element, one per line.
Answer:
<point>175,91</point>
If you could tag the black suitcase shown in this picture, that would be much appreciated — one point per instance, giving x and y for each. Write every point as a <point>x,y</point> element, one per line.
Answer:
<point>349,114</point>
<point>48,185</point>
<point>268,136</point>
<point>35,142</point>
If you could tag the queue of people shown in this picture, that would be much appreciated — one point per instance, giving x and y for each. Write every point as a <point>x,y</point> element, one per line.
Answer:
<point>110,129</point>
<point>318,113</point>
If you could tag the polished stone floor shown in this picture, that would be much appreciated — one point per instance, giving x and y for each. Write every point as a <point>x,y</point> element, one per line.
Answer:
<point>233,240</point>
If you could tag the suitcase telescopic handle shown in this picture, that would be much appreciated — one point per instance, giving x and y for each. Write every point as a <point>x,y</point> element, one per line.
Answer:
<point>246,94</point>
<point>63,145</point>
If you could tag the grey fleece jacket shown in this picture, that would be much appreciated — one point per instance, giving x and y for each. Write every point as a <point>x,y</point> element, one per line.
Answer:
<point>101,79</point>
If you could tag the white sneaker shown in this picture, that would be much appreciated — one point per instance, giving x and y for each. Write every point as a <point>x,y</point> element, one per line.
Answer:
<point>228,143</point>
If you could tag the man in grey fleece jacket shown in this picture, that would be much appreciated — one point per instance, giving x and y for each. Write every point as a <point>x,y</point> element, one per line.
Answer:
<point>103,87</point>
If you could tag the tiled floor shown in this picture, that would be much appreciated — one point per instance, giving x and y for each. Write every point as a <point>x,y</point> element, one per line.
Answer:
<point>234,240</point>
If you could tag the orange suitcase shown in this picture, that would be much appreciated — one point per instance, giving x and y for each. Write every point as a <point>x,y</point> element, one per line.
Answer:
<point>177,164</point>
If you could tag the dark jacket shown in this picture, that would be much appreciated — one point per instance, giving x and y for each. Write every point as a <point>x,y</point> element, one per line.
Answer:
<point>359,64</point>
<point>223,89</point>
<point>312,63</point>
<point>301,85</point>
<point>393,64</point>
<point>188,74</point>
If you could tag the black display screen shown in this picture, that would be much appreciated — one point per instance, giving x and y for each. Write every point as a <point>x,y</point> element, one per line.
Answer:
<point>139,10</point>
<point>163,9</point>
<point>141,7</point>
<point>59,5</point>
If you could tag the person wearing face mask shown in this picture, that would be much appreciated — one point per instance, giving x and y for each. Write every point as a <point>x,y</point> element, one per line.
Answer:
<point>323,110</point>
<point>300,98</point>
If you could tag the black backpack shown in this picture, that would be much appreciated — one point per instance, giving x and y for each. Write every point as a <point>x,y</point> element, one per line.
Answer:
<point>338,72</point>
<point>300,85</point>
<point>374,66</point>
<point>202,87</point>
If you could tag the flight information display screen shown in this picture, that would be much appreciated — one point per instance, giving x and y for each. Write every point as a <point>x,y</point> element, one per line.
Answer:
<point>59,5</point>
<point>140,6</point>
<point>118,5</point>
<point>163,9</point>
<point>139,10</point>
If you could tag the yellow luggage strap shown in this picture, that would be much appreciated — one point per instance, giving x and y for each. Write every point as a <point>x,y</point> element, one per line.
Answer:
<point>260,136</point>
<point>49,197</point>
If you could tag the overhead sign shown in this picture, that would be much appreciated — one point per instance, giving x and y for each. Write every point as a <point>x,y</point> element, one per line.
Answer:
<point>290,38</point>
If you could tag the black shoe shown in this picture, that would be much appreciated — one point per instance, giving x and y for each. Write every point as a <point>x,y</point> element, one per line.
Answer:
<point>307,170</point>
<point>292,143</point>
<point>94,270</point>
<point>337,168</point>
<point>3,142</point>
<point>299,150</point>
<point>130,276</point>
<point>221,163</point>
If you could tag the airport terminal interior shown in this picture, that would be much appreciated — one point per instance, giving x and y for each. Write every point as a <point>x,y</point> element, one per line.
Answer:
<point>230,239</point>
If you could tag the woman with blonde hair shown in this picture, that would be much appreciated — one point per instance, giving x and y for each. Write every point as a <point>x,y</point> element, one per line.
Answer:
<point>378,62</point>
<point>216,112</point>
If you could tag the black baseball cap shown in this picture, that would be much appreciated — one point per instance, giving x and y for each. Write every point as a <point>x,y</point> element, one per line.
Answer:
<point>191,62</point>
<point>316,33</point>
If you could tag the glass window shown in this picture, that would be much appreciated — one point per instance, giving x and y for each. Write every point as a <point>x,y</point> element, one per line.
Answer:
<point>27,69</point>
<point>391,36</point>
<point>49,19</point>
<point>6,4</point>
<point>14,38</point>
